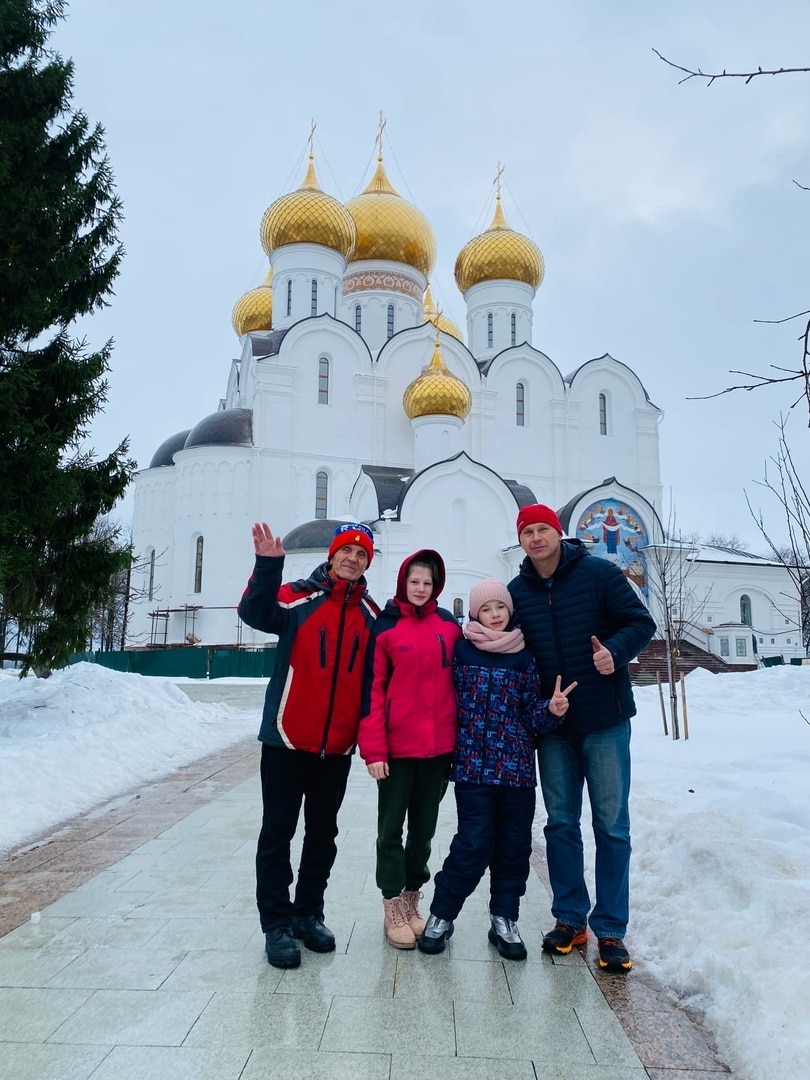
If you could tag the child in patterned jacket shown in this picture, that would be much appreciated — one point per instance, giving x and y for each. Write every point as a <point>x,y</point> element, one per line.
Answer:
<point>500,713</point>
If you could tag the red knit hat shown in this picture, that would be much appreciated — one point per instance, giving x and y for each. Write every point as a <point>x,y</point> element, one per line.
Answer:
<point>353,533</point>
<point>489,589</point>
<point>536,514</point>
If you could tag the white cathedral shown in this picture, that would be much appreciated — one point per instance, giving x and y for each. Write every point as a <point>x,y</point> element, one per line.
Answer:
<point>354,398</point>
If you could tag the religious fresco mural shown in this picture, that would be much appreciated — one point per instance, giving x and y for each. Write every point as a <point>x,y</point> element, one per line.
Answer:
<point>614,530</point>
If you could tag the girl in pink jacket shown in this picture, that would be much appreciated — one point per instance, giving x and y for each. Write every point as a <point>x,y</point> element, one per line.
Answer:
<point>407,734</point>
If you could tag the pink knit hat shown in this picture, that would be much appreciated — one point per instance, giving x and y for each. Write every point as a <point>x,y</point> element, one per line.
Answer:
<point>489,589</point>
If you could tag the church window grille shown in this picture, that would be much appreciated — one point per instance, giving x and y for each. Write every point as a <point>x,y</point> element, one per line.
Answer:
<point>520,405</point>
<point>289,296</point>
<point>603,417</point>
<point>490,330</point>
<point>390,330</point>
<point>313,306</point>
<point>321,494</point>
<point>358,318</point>
<point>323,381</point>
<point>514,328</point>
<point>150,589</point>
<point>198,565</point>
<point>724,646</point>
<point>745,610</point>
<point>742,646</point>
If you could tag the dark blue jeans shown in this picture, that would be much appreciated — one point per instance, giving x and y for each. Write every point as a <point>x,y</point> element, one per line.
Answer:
<point>290,777</point>
<point>602,761</point>
<point>495,831</point>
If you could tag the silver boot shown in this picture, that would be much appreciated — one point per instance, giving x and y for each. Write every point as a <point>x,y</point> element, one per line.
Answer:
<point>436,934</point>
<point>505,936</point>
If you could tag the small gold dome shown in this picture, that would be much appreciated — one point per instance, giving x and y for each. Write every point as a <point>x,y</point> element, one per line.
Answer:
<point>254,310</point>
<point>500,252</point>
<point>389,227</point>
<point>440,321</point>
<point>308,216</point>
<point>436,391</point>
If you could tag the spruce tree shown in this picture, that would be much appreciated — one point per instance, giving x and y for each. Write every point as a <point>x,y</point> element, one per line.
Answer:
<point>59,255</point>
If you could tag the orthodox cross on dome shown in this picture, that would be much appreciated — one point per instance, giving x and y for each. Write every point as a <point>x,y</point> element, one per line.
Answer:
<point>380,128</point>
<point>311,139</point>
<point>497,180</point>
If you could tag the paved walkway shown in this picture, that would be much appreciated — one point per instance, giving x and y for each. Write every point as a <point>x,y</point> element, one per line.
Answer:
<point>148,962</point>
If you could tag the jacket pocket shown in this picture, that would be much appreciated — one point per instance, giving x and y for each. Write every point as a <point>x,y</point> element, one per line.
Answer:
<point>354,652</point>
<point>323,646</point>
<point>446,660</point>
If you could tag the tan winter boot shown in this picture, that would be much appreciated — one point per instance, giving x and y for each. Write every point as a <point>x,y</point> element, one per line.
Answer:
<point>411,899</point>
<point>396,926</point>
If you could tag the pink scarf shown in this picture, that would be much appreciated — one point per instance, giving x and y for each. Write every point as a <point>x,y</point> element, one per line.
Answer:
<point>497,641</point>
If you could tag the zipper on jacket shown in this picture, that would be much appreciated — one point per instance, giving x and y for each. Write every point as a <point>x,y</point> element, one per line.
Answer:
<point>355,651</point>
<point>335,672</point>
<point>323,646</point>
<point>440,638</point>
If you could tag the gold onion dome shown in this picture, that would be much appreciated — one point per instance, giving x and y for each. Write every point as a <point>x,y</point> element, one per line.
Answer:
<point>308,216</point>
<point>437,392</point>
<point>499,253</point>
<point>440,321</point>
<point>389,227</point>
<point>254,310</point>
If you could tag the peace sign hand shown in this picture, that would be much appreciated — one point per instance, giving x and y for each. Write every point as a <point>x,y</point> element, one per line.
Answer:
<point>558,703</point>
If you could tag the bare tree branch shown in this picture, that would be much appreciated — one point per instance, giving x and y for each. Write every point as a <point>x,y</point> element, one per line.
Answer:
<point>689,73</point>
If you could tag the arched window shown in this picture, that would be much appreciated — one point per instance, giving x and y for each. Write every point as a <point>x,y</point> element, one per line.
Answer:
<point>458,608</point>
<point>150,588</point>
<point>490,334</point>
<point>198,565</point>
<point>289,296</point>
<point>514,328</point>
<point>323,381</point>
<point>313,304</point>
<point>745,610</point>
<point>358,318</point>
<point>520,405</point>
<point>603,416</point>
<point>390,330</point>
<point>321,494</point>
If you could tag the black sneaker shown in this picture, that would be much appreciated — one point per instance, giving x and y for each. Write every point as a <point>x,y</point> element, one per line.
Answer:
<point>282,948</point>
<point>613,956</point>
<point>316,936</point>
<point>563,938</point>
<point>505,936</point>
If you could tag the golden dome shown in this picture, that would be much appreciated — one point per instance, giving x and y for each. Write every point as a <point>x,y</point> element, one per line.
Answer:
<point>441,322</point>
<point>308,216</point>
<point>389,227</point>
<point>437,392</point>
<point>500,252</point>
<point>254,310</point>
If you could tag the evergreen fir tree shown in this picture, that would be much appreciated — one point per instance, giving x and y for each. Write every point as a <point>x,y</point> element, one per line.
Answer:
<point>59,255</point>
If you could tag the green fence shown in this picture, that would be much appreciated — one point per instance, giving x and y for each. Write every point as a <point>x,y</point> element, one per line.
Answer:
<point>189,663</point>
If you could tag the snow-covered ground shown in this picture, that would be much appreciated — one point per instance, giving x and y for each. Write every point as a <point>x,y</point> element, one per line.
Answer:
<point>721,825</point>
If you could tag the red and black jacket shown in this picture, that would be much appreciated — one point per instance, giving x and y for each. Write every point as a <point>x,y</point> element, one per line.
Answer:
<point>313,699</point>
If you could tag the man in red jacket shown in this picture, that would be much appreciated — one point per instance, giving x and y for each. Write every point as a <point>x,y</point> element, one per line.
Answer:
<point>309,726</point>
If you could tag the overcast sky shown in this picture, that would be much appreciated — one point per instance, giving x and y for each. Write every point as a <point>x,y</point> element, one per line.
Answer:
<point>667,214</point>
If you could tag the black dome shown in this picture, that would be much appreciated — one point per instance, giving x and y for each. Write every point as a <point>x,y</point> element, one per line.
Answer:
<point>228,427</point>
<point>314,535</point>
<point>164,455</point>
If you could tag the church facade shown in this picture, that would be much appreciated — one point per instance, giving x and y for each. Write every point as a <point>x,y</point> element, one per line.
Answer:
<point>354,398</point>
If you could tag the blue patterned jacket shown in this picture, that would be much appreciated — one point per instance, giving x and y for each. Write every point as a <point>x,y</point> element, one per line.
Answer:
<point>500,712</point>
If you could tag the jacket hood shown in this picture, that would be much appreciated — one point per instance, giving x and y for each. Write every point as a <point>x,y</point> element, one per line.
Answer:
<point>320,578</point>
<point>433,559</point>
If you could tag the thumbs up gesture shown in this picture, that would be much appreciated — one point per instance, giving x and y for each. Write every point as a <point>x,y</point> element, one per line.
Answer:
<point>602,658</point>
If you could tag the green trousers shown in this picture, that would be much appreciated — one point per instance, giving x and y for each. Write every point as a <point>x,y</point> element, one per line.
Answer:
<point>412,791</point>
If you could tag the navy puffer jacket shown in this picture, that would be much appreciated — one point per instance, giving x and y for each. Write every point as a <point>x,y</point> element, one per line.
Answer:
<point>586,595</point>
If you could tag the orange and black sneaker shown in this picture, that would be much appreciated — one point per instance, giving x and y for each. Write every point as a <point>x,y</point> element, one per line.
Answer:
<point>563,938</point>
<point>613,956</point>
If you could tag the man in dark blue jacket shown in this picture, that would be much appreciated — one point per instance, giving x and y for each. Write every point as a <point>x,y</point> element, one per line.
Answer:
<point>582,620</point>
